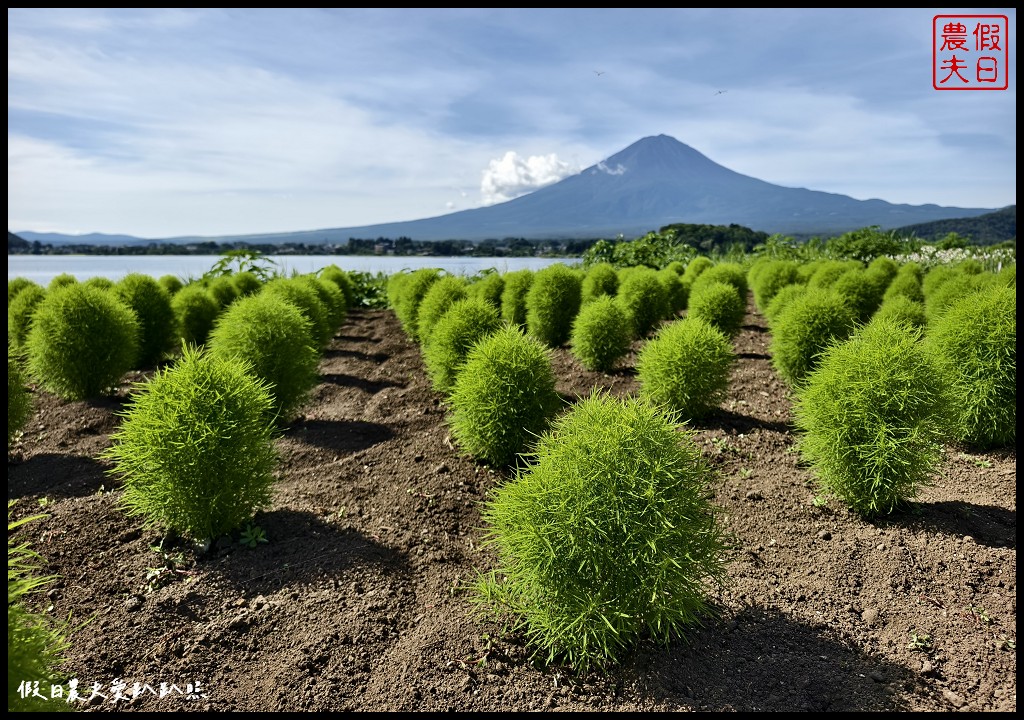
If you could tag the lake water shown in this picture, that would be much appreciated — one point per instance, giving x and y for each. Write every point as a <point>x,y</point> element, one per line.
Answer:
<point>41,269</point>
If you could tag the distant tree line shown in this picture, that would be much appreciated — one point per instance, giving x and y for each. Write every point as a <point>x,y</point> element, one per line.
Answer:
<point>402,246</point>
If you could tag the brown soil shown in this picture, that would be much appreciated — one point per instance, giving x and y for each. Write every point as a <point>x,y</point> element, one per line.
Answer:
<point>359,602</point>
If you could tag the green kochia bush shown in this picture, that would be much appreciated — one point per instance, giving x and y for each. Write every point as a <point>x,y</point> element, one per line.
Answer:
<point>489,287</point>
<point>441,295</point>
<point>718,303</point>
<point>643,299</point>
<point>609,537</point>
<point>976,341</point>
<point>513,296</point>
<point>152,306</point>
<point>246,282</point>
<point>685,367</point>
<point>464,324</point>
<point>903,309</point>
<point>782,298</point>
<point>274,337</point>
<point>406,293</point>
<point>195,312</point>
<point>195,446</point>
<point>344,281</point>
<point>19,314</point>
<point>19,402</point>
<point>552,304</point>
<point>804,328</point>
<point>770,277</point>
<point>601,334</point>
<point>601,279</point>
<point>503,397</point>
<point>36,646</point>
<point>171,283</point>
<point>677,294</point>
<point>300,292</point>
<point>873,417</point>
<point>16,285</point>
<point>82,342</point>
<point>727,272</point>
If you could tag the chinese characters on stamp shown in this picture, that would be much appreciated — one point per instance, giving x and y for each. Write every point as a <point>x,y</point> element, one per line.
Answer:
<point>970,52</point>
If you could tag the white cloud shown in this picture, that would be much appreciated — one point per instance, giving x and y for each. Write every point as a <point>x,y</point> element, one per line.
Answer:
<point>604,168</point>
<point>512,175</point>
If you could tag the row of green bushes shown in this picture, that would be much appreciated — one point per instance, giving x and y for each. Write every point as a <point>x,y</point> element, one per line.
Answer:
<point>195,446</point>
<point>876,396</point>
<point>605,530</point>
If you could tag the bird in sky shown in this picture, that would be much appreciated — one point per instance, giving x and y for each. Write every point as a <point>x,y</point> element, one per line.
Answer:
<point>721,92</point>
<point>599,72</point>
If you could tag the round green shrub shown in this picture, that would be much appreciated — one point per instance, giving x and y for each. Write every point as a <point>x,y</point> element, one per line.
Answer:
<point>274,336</point>
<point>440,296</point>
<point>552,303</point>
<point>464,324</point>
<point>804,328</point>
<point>601,279</point>
<point>19,315</point>
<point>223,290</point>
<point>907,283</point>
<point>171,283</point>
<point>62,280</point>
<point>344,281</point>
<point>609,537</point>
<point>488,287</point>
<point>303,295</point>
<point>503,397</point>
<point>953,288</point>
<point>782,298</point>
<point>643,300</point>
<point>82,341</point>
<point>409,294</point>
<point>393,288</point>
<point>195,312</point>
<point>694,269</point>
<point>36,645</point>
<point>601,334</point>
<point>862,291</point>
<point>677,267</point>
<point>246,282</point>
<point>99,282</point>
<point>772,276</point>
<point>676,293</point>
<point>829,271</point>
<point>805,271</point>
<point>152,306</point>
<point>19,401</point>
<point>195,448</point>
<point>685,368</point>
<point>873,417</point>
<point>333,299</point>
<point>513,297</point>
<point>718,303</point>
<point>935,277</point>
<point>976,341</point>
<point>901,308</point>
<point>16,285</point>
<point>731,273</point>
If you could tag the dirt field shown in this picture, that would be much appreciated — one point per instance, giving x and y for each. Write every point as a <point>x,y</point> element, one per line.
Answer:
<point>358,601</point>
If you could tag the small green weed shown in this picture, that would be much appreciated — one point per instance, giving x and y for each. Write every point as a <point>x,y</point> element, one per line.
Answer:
<point>253,535</point>
<point>919,641</point>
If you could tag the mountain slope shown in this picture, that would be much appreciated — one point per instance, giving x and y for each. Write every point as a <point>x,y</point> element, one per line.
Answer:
<point>986,229</point>
<point>654,182</point>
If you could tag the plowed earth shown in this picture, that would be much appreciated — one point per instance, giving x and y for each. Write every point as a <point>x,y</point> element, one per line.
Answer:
<point>358,600</point>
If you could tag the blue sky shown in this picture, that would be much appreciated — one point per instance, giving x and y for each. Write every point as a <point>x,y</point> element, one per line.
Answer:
<point>168,122</point>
